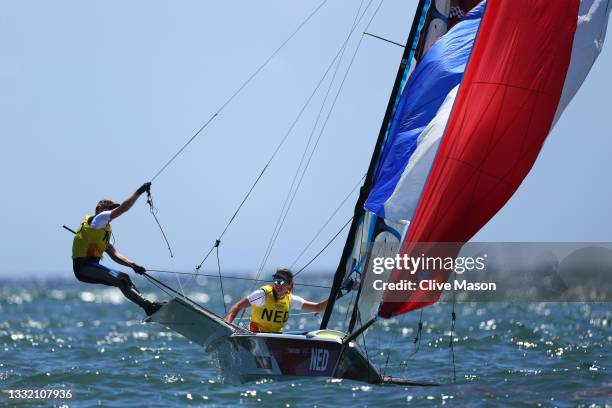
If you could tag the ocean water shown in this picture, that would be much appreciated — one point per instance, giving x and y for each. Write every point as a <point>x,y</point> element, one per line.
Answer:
<point>63,334</point>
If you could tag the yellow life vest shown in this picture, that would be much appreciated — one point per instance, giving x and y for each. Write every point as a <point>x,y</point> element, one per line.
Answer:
<point>90,242</point>
<point>270,317</point>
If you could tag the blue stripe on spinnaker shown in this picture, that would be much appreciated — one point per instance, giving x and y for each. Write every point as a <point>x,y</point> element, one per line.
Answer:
<point>408,66</point>
<point>440,70</point>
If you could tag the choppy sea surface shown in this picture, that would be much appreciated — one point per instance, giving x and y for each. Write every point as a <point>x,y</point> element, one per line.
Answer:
<point>66,335</point>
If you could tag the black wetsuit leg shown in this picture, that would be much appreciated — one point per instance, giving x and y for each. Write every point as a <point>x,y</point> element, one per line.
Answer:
<point>93,272</point>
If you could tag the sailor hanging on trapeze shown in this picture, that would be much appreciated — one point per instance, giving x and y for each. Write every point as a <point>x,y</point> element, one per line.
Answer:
<point>92,240</point>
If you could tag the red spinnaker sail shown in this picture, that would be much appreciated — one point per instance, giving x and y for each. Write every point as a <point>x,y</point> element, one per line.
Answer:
<point>503,112</point>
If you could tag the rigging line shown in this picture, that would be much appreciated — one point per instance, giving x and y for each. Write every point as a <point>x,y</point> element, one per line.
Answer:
<point>241,317</point>
<point>365,347</point>
<point>160,171</point>
<point>419,335</point>
<point>263,170</point>
<point>231,277</point>
<point>324,123</point>
<point>384,39</point>
<point>178,278</point>
<point>451,345</point>
<point>391,347</point>
<point>240,88</point>
<point>361,270</point>
<point>151,281</point>
<point>327,117</point>
<point>291,193</point>
<point>221,281</point>
<point>328,221</point>
<point>354,294</point>
<point>158,283</point>
<point>287,134</point>
<point>325,247</point>
<point>348,307</point>
<point>153,211</point>
<point>349,245</point>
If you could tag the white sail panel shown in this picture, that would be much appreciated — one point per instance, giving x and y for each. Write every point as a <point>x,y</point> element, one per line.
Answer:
<point>588,42</point>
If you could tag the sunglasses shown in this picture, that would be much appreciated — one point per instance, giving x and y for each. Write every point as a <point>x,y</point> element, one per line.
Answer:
<point>279,282</point>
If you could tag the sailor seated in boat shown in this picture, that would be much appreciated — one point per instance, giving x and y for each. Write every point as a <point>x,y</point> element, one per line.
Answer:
<point>271,304</point>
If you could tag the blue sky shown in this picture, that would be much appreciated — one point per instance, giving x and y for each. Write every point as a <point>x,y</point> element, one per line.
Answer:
<point>96,96</point>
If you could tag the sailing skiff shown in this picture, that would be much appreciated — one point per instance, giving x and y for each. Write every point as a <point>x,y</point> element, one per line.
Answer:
<point>478,89</point>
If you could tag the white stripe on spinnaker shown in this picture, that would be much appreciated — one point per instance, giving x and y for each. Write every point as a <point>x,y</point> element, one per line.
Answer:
<point>401,205</point>
<point>588,42</point>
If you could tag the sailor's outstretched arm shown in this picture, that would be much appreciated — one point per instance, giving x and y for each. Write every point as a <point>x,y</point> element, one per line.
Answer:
<point>120,259</point>
<point>129,202</point>
<point>315,307</point>
<point>238,306</point>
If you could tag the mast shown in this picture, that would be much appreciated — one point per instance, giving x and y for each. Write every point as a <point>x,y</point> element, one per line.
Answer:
<point>369,179</point>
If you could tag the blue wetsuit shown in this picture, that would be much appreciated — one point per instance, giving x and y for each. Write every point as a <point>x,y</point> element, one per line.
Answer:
<point>89,270</point>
